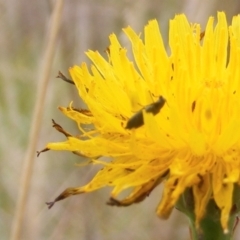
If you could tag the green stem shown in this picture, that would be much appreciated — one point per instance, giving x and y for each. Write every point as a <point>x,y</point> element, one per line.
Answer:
<point>210,226</point>
<point>210,229</point>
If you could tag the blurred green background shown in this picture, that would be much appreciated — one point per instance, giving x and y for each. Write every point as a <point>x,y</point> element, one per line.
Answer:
<point>85,24</point>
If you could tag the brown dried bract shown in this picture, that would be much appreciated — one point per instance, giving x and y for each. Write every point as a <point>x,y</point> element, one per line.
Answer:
<point>64,78</point>
<point>44,150</point>
<point>81,110</point>
<point>202,34</point>
<point>66,193</point>
<point>107,50</point>
<point>140,194</point>
<point>60,129</point>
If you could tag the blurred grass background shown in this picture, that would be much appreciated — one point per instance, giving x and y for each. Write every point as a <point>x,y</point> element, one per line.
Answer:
<point>85,24</point>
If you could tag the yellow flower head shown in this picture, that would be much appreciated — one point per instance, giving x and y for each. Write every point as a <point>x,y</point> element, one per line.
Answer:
<point>184,109</point>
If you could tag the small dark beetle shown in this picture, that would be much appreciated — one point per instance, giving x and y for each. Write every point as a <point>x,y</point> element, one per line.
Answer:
<point>136,120</point>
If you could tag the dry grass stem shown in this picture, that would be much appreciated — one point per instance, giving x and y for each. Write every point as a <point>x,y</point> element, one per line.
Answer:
<point>36,122</point>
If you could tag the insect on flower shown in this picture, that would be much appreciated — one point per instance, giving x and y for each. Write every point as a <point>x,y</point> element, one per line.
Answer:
<point>136,120</point>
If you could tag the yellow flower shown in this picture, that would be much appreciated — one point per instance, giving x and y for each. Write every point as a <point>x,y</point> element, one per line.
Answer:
<point>191,142</point>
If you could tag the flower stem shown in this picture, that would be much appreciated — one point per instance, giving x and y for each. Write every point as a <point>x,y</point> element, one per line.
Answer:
<point>210,229</point>
<point>210,226</point>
